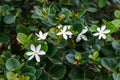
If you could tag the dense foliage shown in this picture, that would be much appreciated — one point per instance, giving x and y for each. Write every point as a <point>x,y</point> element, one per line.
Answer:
<point>59,40</point>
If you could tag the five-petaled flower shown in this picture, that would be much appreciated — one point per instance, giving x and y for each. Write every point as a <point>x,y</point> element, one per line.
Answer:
<point>35,52</point>
<point>65,33</point>
<point>82,36</point>
<point>41,36</point>
<point>101,32</point>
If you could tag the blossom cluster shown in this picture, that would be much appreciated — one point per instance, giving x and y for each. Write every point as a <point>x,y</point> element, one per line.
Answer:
<point>65,32</point>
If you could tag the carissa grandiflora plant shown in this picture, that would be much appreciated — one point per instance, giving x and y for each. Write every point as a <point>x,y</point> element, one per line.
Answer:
<point>59,40</point>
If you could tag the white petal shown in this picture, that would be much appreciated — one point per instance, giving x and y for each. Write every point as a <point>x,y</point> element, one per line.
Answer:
<point>100,36</point>
<point>104,36</point>
<point>29,53</point>
<point>59,26</point>
<point>38,48</point>
<point>103,27</point>
<point>37,58</point>
<point>83,31</point>
<point>84,37</point>
<point>78,38</point>
<point>106,31</point>
<point>65,36</point>
<point>68,26</point>
<point>96,34</point>
<point>40,32</point>
<point>59,33</point>
<point>31,57</point>
<point>45,34</point>
<point>37,35</point>
<point>64,28</point>
<point>41,53</point>
<point>32,47</point>
<point>68,33</point>
<point>98,29</point>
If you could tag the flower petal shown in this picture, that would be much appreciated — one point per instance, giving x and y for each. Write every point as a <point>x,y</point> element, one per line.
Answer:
<point>100,36</point>
<point>31,57</point>
<point>78,38</point>
<point>96,34</point>
<point>59,33</point>
<point>104,36</point>
<point>84,37</point>
<point>32,47</point>
<point>64,28</point>
<point>98,29</point>
<point>29,53</point>
<point>106,31</point>
<point>41,53</point>
<point>69,33</point>
<point>37,58</point>
<point>103,27</point>
<point>59,26</point>
<point>65,36</point>
<point>83,31</point>
<point>38,48</point>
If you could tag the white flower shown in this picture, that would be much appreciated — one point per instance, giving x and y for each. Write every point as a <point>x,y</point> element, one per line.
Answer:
<point>65,33</point>
<point>101,32</point>
<point>35,52</point>
<point>42,36</point>
<point>82,36</point>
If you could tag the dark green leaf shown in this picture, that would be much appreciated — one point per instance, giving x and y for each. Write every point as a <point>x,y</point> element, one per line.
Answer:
<point>9,19</point>
<point>4,38</point>
<point>57,71</point>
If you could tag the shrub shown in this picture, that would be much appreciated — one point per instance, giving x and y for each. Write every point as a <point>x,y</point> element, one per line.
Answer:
<point>59,40</point>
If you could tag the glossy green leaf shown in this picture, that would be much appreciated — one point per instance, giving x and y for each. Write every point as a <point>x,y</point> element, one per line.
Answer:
<point>57,71</point>
<point>76,74</point>
<point>9,19</point>
<point>117,13</point>
<point>12,64</point>
<point>70,58</point>
<point>101,3</point>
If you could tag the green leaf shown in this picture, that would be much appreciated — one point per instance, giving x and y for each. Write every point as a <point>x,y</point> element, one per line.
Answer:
<point>76,74</point>
<point>21,29</point>
<point>116,22</point>
<point>11,76</point>
<point>9,19</point>
<point>101,3</point>
<point>31,75</point>
<point>70,58</point>
<point>91,9</point>
<point>77,27</point>
<point>45,76</point>
<point>115,44</point>
<point>29,69</point>
<point>78,56</point>
<point>93,28</point>
<point>109,63</point>
<point>116,76</point>
<point>12,64</point>
<point>21,37</point>
<point>57,71</point>
<point>4,38</point>
<point>109,26</point>
<point>51,50</point>
<point>67,13</point>
<point>38,73</point>
<point>7,54</point>
<point>117,13</point>
<point>82,12</point>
